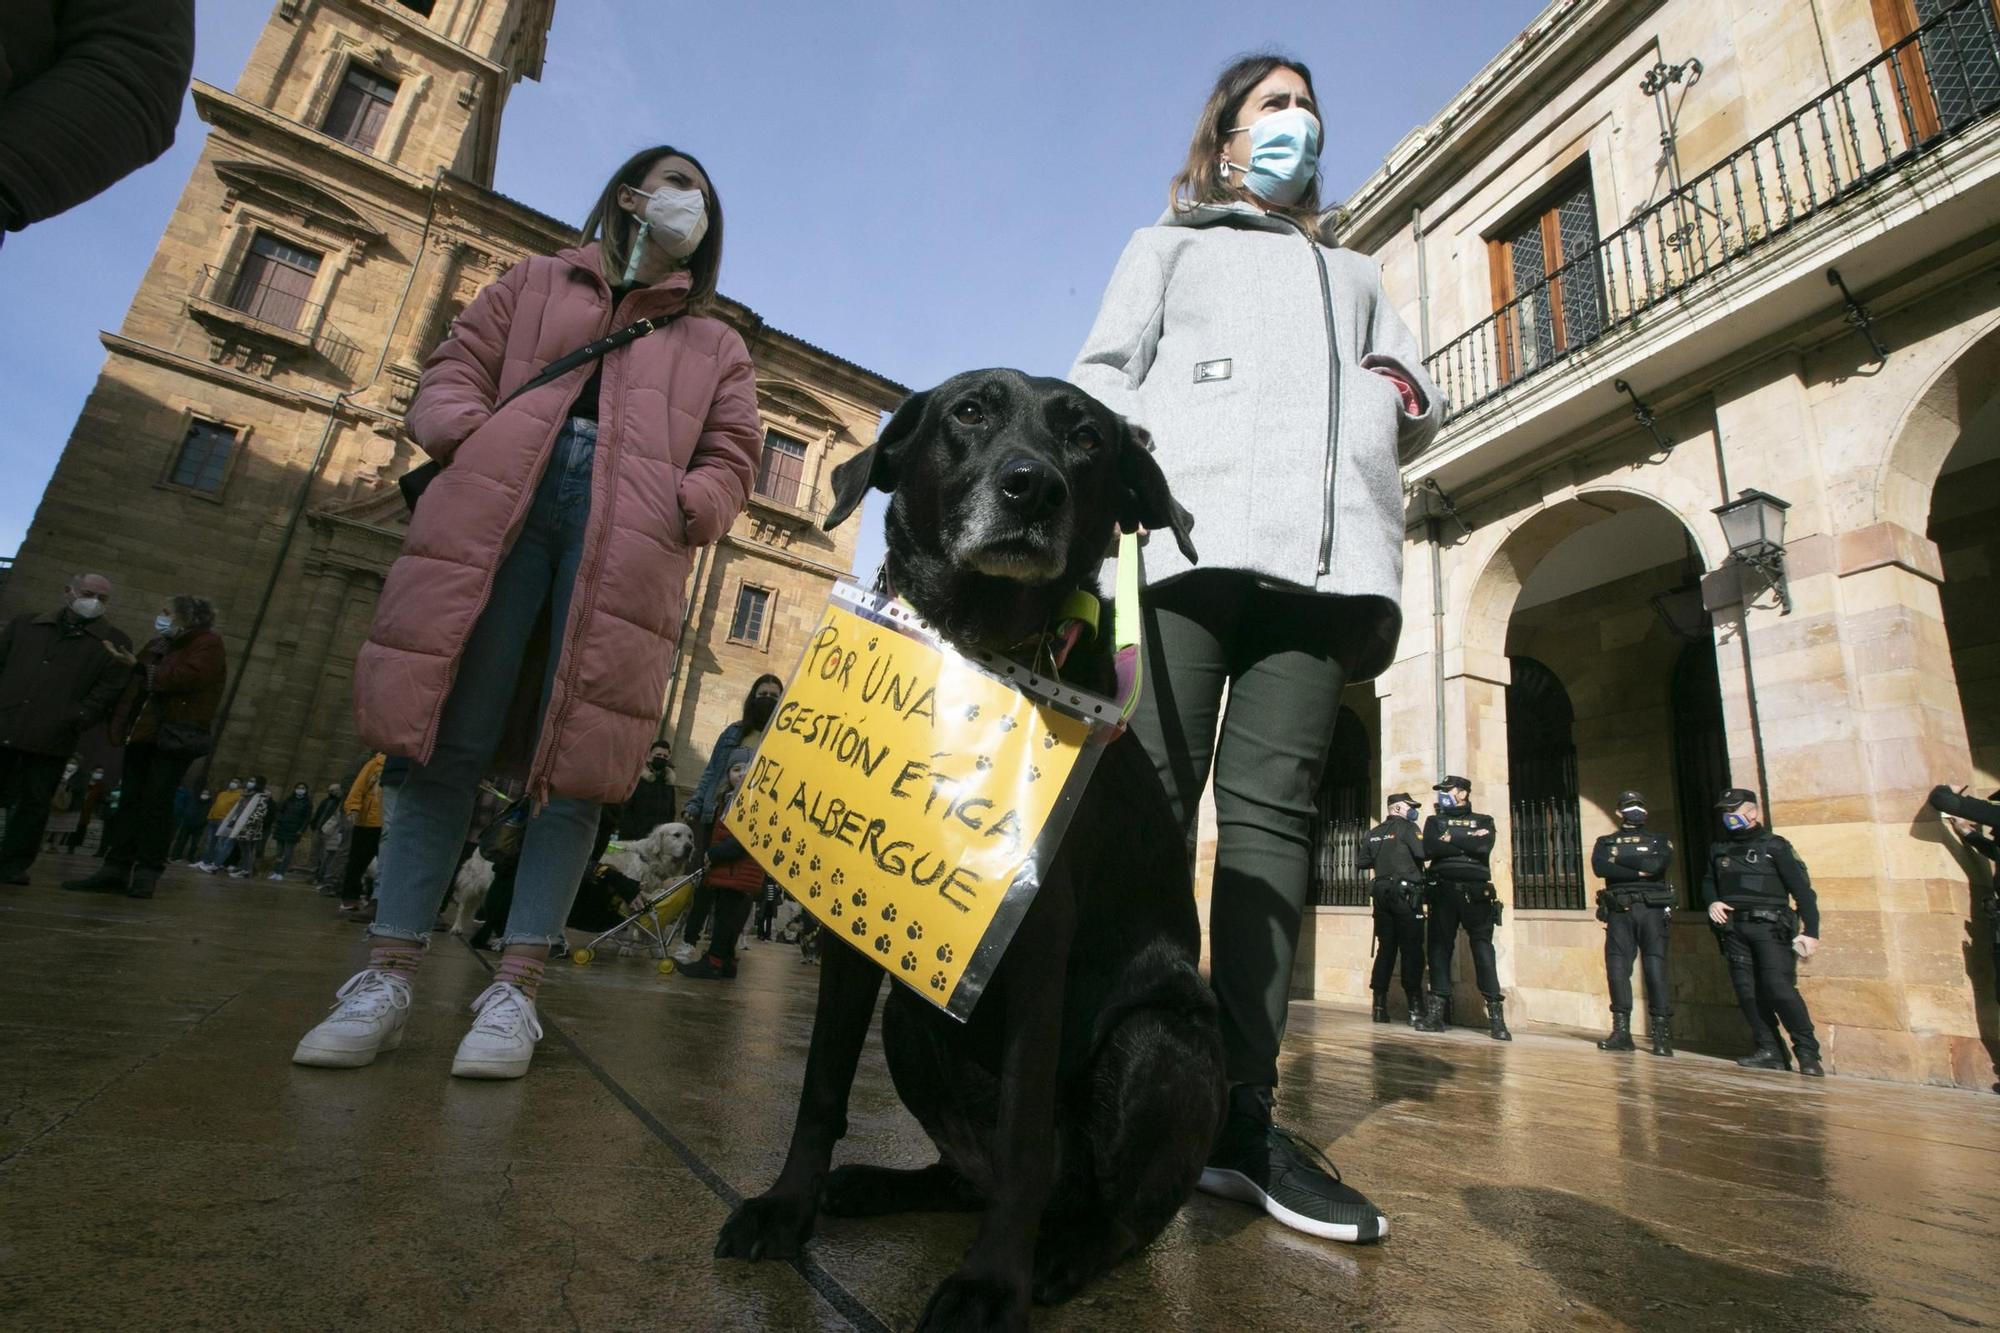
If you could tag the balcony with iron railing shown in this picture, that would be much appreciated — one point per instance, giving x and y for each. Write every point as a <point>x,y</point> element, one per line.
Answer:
<point>791,500</point>
<point>245,302</point>
<point>1903,105</point>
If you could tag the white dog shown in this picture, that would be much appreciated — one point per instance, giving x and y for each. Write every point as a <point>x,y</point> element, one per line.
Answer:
<point>655,861</point>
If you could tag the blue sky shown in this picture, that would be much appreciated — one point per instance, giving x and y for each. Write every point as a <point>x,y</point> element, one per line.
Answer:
<point>922,188</point>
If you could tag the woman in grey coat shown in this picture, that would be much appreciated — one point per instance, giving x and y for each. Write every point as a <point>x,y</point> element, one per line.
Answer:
<point>1282,392</point>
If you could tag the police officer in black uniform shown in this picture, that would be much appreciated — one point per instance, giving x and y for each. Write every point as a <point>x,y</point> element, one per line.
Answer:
<point>1395,853</point>
<point>1976,823</point>
<point>1458,844</point>
<point>1754,877</point>
<point>1636,906</point>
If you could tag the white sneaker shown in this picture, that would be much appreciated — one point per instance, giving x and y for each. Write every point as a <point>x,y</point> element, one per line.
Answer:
<point>368,1019</point>
<point>275,877</point>
<point>503,1036</point>
<point>239,874</point>
<point>685,952</point>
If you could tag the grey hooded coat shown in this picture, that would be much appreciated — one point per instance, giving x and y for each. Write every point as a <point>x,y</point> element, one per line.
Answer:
<point>1245,348</point>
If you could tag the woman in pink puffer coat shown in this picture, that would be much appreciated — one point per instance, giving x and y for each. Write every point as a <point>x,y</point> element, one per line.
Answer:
<point>535,607</point>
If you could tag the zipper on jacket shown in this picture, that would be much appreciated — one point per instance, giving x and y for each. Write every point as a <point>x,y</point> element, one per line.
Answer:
<point>514,523</point>
<point>1331,480</point>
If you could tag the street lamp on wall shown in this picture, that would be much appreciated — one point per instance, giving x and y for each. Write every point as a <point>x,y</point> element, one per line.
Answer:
<point>1753,527</point>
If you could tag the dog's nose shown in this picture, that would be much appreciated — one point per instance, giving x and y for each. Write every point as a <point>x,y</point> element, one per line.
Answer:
<point>1032,487</point>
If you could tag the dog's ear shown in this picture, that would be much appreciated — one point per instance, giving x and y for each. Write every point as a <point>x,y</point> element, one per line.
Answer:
<point>876,466</point>
<point>1146,502</point>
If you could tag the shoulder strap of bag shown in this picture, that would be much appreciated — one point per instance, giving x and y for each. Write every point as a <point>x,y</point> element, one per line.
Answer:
<point>610,342</point>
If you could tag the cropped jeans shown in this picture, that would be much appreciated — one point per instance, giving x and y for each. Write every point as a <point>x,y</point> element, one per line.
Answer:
<point>420,850</point>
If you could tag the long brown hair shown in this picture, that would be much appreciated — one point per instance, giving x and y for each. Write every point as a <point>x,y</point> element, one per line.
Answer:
<point>1199,180</point>
<point>615,230</point>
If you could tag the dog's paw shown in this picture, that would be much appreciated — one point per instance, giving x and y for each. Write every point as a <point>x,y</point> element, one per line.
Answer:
<point>975,1305</point>
<point>772,1226</point>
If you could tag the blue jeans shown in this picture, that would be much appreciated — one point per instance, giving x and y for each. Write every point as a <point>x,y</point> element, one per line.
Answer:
<point>420,850</point>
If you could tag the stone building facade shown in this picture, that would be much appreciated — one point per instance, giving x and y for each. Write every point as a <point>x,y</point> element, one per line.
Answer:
<point>1624,246</point>
<point>243,438</point>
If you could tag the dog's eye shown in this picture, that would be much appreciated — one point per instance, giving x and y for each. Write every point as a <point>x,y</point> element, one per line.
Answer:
<point>1085,438</point>
<point>968,413</point>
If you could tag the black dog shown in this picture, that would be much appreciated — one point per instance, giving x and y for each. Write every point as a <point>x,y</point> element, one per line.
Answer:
<point>1077,1105</point>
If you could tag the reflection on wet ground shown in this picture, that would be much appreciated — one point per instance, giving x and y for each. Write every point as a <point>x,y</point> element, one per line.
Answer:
<point>162,1165</point>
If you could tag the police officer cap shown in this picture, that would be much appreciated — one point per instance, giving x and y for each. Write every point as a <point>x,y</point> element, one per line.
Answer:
<point>1630,798</point>
<point>1452,781</point>
<point>1402,796</point>
<point>1734,797</point>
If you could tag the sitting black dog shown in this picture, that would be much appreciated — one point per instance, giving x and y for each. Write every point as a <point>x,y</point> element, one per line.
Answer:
<point>1077,1105</point>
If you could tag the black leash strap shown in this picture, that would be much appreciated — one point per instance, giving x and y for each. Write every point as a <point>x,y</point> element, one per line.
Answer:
<point>413,483</point>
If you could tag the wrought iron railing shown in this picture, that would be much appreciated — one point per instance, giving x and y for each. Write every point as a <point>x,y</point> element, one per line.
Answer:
<point>810,500</point>
<point>260,302</point>
<point>1337,877</point>
<point>1917,94</point>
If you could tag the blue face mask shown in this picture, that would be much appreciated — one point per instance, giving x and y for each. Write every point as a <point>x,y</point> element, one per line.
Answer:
<point>1446,800</point>
<point>1284,156</point>
<point>1735,823</point>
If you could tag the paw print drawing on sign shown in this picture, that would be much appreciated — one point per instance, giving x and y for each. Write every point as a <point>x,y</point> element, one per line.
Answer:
<point>916,930</point>
<point>881,944</point>
<point>1034,773</point>
<point>1008,724</point>
<point>815,891</point>
<point>1048,740</point>
<point>937,981</point>
<point>838,908</point>
<point>861,897</point>
<point>889,911</point>
<point>772,822</point>
<point>909,961</point>
<point>860,926</point>
<point>871,644</point>
<point>839,878</point>
<point>778,859</point>
<point>785,836</point>
<point>972,713</point>
<point>793,873</point>
<point>944,953</point>
<point>815,865</point>
<point>983,764</point>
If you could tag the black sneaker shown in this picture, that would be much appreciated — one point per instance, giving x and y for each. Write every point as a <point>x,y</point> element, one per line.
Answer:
<point>1292,1181</point>
<point>709,968</point>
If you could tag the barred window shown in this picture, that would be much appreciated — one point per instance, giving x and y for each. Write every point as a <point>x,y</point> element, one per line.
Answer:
<point>274,281</point>
<point>1546,285</point>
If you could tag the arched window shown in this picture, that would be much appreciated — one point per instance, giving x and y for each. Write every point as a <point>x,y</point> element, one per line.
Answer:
<point>1344,810</point>
<point>1541,785</point>
<point>1701,757</point>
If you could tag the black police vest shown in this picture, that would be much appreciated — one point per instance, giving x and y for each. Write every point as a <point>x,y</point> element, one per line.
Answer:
<point>1746,876</point>
<point>1390,856</point>
<point>1454,861</point>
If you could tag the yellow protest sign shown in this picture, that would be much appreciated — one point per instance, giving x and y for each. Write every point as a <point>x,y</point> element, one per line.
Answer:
<point>907,797</point>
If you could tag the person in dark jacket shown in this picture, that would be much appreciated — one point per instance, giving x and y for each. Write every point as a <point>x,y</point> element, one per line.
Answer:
<point>288,826</point>
<point>735,877</point>
<point>90,91</point>
<point>651,803</point>
<point>58,677</point>
<point>1976,823</point>
<point>163,720</point>
<point>190,822</point>
<point>1395,853</point>
<point>1636,906</point>
<point>1754,878</point>
<point>704,802</point>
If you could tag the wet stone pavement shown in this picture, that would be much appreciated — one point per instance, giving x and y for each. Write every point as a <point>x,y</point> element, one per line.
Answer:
<point>163,1165</point>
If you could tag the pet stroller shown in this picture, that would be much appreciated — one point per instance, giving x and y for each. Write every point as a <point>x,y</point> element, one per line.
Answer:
<point>649,922</point>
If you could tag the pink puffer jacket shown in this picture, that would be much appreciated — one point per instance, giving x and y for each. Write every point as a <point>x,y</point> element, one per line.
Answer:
<point>677,450</point>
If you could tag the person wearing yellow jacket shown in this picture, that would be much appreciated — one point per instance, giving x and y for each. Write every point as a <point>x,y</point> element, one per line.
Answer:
<point>364,814</point>
<point>225,801</point>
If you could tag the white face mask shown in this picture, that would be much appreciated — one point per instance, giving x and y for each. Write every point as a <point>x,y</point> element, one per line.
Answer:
<point>87,608</point>
<point>672,222</point>
<point>163,624</point>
